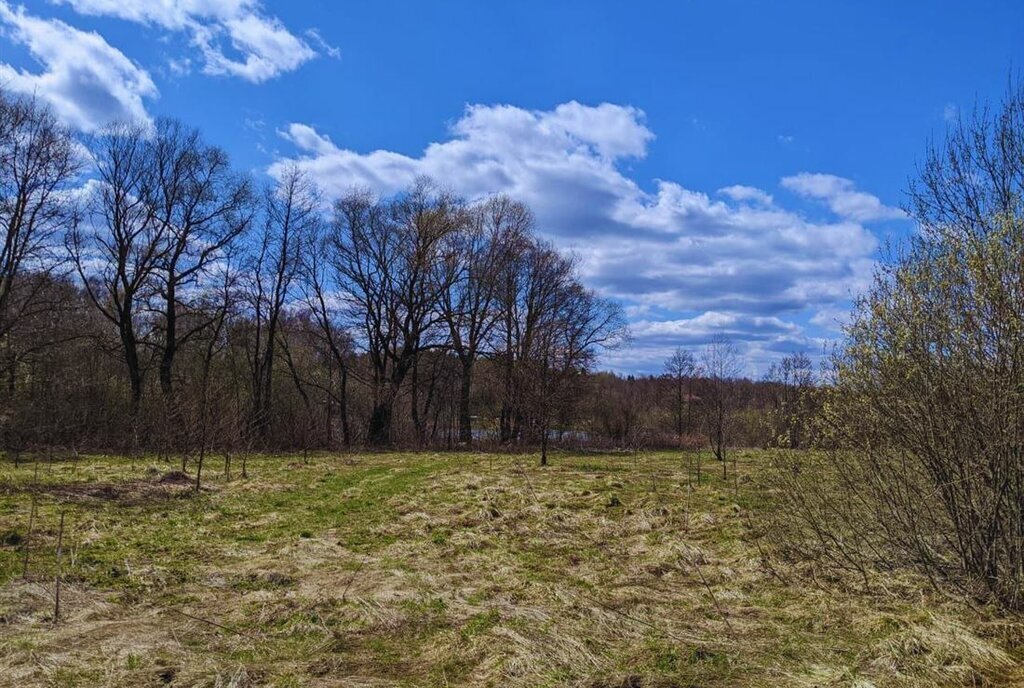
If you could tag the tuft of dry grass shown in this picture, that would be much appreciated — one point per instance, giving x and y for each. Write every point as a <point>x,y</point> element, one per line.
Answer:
<point>453,569</point>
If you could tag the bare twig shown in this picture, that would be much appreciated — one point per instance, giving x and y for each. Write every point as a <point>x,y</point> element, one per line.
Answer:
<point>526,477</point>
<point>714,599</point>
<point>200,619</point>
<point>351,579</point>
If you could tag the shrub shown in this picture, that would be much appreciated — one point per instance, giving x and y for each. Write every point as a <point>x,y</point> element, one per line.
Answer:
<point>926,409</point>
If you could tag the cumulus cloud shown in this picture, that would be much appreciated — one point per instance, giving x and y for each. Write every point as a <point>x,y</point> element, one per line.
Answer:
<point>87,81</point>
<point>234,37</point>
<point>561,161</point>
<point>842,197</point>
<point>739,192</point>
<point>685,264</point>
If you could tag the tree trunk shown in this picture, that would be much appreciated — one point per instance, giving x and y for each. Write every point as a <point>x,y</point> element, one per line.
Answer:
<point>465,419</point>
<point>414,395</point>
<point>505,430</point>
<point>346,432</point>
<point>379,431</point>
<point>544,444</point>
<point>199,467</point>
<point>507,405</point>
<point>166,364</point>
<point>135,379</point>
<point>170,344</point>
<point>265,388</point>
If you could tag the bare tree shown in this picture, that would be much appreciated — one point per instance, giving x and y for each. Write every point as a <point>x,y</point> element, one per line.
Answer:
<point>203,208</point>
<point>38,161</point>
<point>793,401</point>
<point>409,316</point>
<point>324,304</point>
<point>217,305</point>
<point>290,215</point>
<point>679,369</point>
<point>497,230</point>
<point>532,283</point>
<point>565,327</point>
<point>720,362</point>
<point>390,263</point>
<point>120,244</point>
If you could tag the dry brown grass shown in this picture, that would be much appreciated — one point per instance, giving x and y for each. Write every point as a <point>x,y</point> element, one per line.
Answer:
<point>445,570</point>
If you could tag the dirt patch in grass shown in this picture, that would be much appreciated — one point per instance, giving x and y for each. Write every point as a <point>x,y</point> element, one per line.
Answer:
<point>173,484</point>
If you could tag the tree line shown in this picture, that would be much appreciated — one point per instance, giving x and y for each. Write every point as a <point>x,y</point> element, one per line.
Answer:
<point>154,297</point>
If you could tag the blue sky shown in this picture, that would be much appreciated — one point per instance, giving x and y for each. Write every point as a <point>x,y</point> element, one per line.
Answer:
<point>719,167</point>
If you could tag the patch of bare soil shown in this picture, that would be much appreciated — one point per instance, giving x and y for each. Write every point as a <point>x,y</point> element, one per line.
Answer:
<point>169,485</point>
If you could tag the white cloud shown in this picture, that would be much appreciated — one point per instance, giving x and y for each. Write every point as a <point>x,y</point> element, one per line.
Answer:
<point>842,197</point>
<point>739,192</point>
<point>832,318</point>
<point>263,46</point>
<point>711,323</point>
<point>331,51</point>
<point>497,148</point>
<point>684,264</point>
<point>268,49</point>
<point>307,139</point>
<point>87,81</point>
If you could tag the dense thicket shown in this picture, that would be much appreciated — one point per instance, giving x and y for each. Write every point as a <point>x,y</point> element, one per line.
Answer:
<point>153,298</point>
<point>927,409</point>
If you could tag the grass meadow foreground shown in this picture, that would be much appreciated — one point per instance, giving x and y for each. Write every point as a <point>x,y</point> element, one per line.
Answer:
<point>449,570</point>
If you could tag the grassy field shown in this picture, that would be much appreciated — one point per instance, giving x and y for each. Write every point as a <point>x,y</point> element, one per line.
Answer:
<point>449,570</point>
